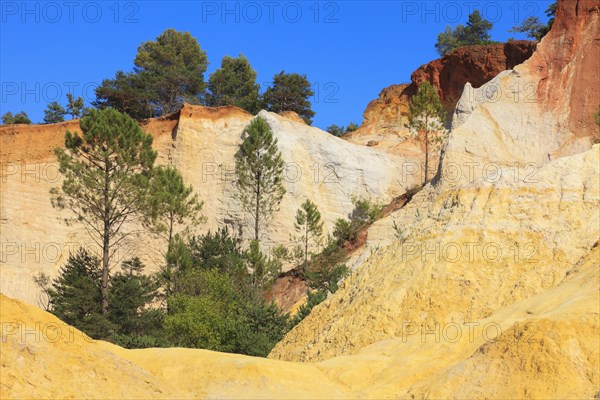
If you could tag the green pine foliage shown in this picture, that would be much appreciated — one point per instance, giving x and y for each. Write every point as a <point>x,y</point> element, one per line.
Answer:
<point>215,303</point>
<point>426,114</point>
<point>219,250</point>
<point>106,172</point>
<point>75,297</point>
<point>290,92</point>
<point>75,106</point>
<point>259,171</point>
<point>309,227</point>
<point>168,72</point>
<point>19,118</point>
<point>533,27</point>
<point>336,130</point>
<point>128,93</point>
<point>172,203</point>
<point>54,113</point>
<point>234,84</point>
<point>364,213</point>
<point>475,32</point>
<point>339,131</point>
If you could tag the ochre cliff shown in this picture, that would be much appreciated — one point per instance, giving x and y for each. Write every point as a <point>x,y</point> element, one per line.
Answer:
<point>448,75</point>
<point>384,124</point>
<point>568,68</point>
<point>511,215</point>
<point>201,142</point>
<point>485,285</point>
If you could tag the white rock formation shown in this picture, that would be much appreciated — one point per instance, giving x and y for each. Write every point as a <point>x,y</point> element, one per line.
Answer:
<point>319,166</point>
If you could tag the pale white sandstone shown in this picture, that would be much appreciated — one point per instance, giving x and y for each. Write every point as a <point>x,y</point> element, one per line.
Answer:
<point>319,166</point>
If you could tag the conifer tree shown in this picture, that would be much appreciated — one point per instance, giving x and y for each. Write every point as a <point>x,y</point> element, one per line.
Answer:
<point>259,170</point>
<point>172,202</point>
<point>54,113</point>
<point>309,226</point>
<point>234,84</point>
<point>74,106</point>
<point>426,114</point>
<point>106,172</point>
<point>290,92</point>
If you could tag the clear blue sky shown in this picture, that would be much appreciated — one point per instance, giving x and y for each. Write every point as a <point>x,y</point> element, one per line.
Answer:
<point>350,50</point>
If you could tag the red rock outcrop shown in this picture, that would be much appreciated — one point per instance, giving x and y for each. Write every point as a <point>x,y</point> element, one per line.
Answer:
<point>473,64</point>
<point>568,64</point>
<point>448,75</point>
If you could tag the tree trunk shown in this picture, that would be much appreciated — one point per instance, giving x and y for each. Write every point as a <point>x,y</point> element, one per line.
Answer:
<point>426,156</point>
<point>257,209</point>
<point>105,241</point>
<point>305,249</point>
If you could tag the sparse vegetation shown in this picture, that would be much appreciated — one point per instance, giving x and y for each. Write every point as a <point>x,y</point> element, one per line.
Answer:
<point>340,130</point>
<point>19,118</point>
<point>365,212</point>
<point>533,27</point>
<point>475,32</point>
<point>309,226</point>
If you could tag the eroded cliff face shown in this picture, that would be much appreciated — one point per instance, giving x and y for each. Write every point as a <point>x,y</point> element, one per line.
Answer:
<point>384,124</point>
<point>567,67</point>
<point>201,142</point>
<point>489,288</point>
<point>511,216</point>
<point>448,75</point>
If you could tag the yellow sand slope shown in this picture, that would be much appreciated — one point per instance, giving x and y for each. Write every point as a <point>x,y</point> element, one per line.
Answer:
<point>543,347</point>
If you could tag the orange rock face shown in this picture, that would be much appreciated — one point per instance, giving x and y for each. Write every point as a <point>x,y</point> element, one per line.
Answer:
<point>567,62</point>
<point>448,75</point>
<point>473,64</point>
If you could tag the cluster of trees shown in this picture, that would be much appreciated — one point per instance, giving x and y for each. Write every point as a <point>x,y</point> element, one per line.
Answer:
<point>339,131</point>
<point>21,117</point>
<point>476,31</point>
<point>210,290</point>
<point>170,71</point>
<point>56,113</point>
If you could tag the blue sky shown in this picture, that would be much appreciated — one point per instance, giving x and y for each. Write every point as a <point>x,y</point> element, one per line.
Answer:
<point>349,50</point>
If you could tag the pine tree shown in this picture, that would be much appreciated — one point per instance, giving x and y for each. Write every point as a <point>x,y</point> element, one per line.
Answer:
<point>168,72</point>
<point>130,291</point>
<point>475,32</point>
<point>75,295</point>
<point>106,172</point>
<point>264,269</point>
<point>54,113</point>
<point>259,170</point>
<point>426,114</point>
<point>19,118</point>
<point>234,84</point>
<point>172,70</point>
<point>290,92</point>
<point>74,106</point>
<point>172,202</point>
<point>310,227</point>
